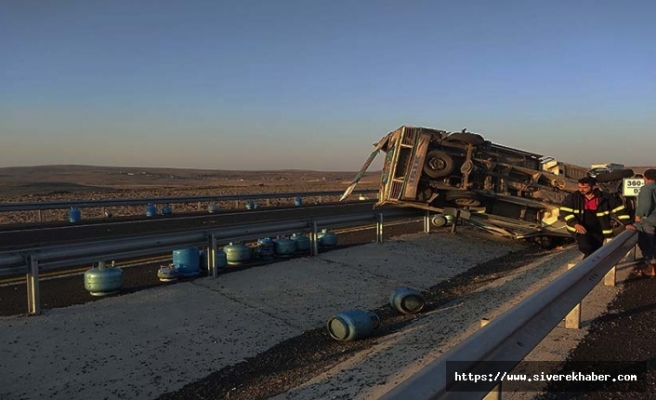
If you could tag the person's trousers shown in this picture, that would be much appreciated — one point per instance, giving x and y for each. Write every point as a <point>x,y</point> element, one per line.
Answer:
<point>647,241</point>
<point>589,242</point>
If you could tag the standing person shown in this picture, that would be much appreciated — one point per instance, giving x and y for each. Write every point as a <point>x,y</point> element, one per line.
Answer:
<point>645,217</point>
<point>587,213</point>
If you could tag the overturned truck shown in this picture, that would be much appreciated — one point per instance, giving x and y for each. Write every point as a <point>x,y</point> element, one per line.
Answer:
<point>503,190</point>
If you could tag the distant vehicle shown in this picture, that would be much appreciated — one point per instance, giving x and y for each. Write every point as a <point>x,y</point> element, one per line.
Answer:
<point>503,190</point>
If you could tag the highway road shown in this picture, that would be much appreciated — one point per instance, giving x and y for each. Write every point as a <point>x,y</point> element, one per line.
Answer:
<point>17,237</point>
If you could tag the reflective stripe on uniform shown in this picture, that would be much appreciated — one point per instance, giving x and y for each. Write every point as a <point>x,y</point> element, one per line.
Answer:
<point>571,229</point>
<point>607,231</point>
<point>616,209</point>
<point>623,217</point>
<point>602,213</point>
<point>567,209</point>
<point>568,217</point>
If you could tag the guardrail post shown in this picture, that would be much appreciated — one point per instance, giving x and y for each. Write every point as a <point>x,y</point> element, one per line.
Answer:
<point>33,294</point>
<point>314,240</point>
<point>199,208</point>
<point>573,319</point>
<point>211,260</point>
<point>236,203</point>
<point>495,393</point>
<point>40,216</point>
<point>427,228</point>
<point>379,228</point>
<point>610,279</point>
<point>632,254</point>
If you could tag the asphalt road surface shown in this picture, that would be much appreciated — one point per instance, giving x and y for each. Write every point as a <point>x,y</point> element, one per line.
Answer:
<point>14,237</point>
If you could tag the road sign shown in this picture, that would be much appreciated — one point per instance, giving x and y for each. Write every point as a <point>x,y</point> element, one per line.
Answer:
<point>631,186</point>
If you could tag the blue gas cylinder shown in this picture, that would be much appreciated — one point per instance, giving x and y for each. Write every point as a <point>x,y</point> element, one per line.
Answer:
<point>74,215</point>
<point>352,324</point>
<point>285,247</point>
<point>102,281</point>
<point>265,248</point>
<point>407,301</point>
<point>326,238</point>
<point>221,259</point>
<point>187,261</point>
<point>202,259</point>
<point>151,210</point>
<point>303,242</point>
<point>167,210</point>
<point>237,253</point>
<point>298,201</point>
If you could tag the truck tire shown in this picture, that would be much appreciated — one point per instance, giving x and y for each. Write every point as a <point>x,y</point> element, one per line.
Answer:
<point>438,164</point>
<point>466,137</point>
<point>463,198</point>
<point>615,175</point>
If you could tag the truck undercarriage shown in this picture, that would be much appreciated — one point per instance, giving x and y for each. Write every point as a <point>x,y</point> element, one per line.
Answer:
<point>503,190</point>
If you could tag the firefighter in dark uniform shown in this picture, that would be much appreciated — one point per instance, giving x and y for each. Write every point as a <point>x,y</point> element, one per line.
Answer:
<point>588,212</point>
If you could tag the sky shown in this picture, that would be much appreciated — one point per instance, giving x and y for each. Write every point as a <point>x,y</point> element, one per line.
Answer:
<point>311,84</point>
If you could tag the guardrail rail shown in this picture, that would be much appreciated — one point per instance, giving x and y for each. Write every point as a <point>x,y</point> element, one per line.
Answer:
<point>506,340</point>
<point>36,260</point>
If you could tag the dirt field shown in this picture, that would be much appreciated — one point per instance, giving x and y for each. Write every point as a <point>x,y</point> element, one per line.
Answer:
<point>70,183</point>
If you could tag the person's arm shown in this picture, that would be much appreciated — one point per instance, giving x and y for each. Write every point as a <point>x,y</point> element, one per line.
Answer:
<point>569,214</point>
<point>645,203</point>
<point>620,211</point>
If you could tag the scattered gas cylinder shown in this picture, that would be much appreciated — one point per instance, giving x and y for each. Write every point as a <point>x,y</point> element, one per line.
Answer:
<point>237,253</point>
<point>251,204</point>
<point>326,238</point>
<point>440,220</point>
<point>74,215</point>
<point>303,242</point>
<point>151,210</point>
<point>298,201</point>
<point>168,273</point>
<point>101,280</point>
<point>285,247</point>
<point>221,259</point>
<point>407,301</point>
<point>202,256</point>
<point>187,261</point>
<point>265,248</point>
<point>167,210</point>
<point>213,209</point>
<point>352,324</point>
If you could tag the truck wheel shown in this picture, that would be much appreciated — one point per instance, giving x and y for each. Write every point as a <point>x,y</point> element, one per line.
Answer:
<point>438,164</point>
<point>463,198</point>
<point>466,137</point>
<point>615,175</point>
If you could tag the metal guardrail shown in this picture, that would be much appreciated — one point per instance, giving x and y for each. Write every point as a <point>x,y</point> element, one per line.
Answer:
<point>506,340</point>
<point>51,257</point>
<point>35,206</point>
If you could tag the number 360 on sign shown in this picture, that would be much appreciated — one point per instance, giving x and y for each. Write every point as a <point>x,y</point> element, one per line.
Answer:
<point>631,186</point>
